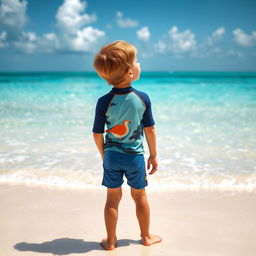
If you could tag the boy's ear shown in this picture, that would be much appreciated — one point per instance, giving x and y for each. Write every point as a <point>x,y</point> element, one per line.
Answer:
<point>129,72</point>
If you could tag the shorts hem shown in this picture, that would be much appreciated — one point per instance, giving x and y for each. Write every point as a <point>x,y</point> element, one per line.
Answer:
<point>140,187</point>
<point>114,186</point>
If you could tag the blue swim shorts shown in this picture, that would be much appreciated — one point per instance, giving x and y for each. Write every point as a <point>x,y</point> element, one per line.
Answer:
<point>116,165</point>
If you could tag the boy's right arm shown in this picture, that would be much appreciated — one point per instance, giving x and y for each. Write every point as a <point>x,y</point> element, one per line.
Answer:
<point>98,127</point>
<point>99,141</point>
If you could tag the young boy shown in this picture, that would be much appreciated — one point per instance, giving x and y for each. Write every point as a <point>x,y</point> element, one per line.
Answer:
<point>126,113</point>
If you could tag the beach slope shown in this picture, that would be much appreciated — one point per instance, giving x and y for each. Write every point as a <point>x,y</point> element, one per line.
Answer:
<point>42,221</point>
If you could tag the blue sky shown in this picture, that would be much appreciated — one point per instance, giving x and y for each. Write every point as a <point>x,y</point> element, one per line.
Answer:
<point>64,35</point>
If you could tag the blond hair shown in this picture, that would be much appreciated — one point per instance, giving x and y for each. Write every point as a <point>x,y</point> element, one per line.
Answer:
<point>114,60</point>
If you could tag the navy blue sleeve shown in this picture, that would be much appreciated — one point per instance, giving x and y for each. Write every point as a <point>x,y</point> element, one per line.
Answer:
<point>147,119</point>
<point>100,113</point>
<point>99,119</point>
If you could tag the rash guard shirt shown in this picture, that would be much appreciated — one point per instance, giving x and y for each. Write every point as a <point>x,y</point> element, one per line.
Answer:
<point>124,112</point>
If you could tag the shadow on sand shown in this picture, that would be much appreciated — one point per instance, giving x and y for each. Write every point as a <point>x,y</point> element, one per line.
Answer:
<point>64,246</point>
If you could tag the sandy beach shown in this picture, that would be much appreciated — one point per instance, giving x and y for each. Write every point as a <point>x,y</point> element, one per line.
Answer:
<point>46,221</point>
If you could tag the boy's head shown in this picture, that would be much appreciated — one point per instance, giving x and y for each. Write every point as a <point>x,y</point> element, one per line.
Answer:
<point>117,62</point>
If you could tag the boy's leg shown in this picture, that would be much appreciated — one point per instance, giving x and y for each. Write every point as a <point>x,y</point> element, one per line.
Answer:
<point>143,214</point>
<point>114,196</point>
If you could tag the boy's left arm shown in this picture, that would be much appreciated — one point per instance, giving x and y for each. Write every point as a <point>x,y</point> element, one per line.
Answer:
<point>151,140</point>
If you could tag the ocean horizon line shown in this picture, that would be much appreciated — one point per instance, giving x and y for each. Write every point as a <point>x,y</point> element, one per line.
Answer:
<point>184,74</point>
<point>169,71</point>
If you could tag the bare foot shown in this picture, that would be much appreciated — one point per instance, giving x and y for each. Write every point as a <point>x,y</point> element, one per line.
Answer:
<point>109,246</point>
<point>151,239</point>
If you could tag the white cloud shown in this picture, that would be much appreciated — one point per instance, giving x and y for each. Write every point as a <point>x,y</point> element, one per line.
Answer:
<point>234,53</point>
<point>216,36</point>
<point>27,42</point>
<point>86,39</point>
<point>49,43</point>
<point>125,22</point>
<point>13,17</point>
<point>143,34</point>
<point>70,17</point>
<point>3,36</point>
<point>31,36</point>
<point>30,43</point>
<point>177,43</point>
<point>160,47</point>
<point>182,42</point>
<point>3,43</point>
<point>243,39</point>
<point>71,36</point>
<point>211,45</point>
<point>50,37</point>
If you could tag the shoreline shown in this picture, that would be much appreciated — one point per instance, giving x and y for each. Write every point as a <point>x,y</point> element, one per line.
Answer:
<point>153,186</point>
<point>36,220</point>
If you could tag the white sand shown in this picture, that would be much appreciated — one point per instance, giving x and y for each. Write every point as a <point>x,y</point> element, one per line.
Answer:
<point>42,221</point>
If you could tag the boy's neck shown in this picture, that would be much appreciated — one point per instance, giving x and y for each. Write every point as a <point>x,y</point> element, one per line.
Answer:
<point>120,86</point>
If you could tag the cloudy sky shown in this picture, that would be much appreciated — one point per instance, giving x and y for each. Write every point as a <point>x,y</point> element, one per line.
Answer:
<point>170,35</point>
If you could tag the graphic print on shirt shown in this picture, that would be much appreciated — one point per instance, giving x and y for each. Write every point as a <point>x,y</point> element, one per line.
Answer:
<point>120,130</point>
<point>110,144</point>
<point>137,133</point>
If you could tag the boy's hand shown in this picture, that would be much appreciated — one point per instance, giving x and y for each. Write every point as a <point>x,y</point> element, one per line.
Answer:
<point>152,161</point>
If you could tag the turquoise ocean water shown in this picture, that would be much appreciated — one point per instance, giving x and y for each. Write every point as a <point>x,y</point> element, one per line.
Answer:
<point>205,122</point>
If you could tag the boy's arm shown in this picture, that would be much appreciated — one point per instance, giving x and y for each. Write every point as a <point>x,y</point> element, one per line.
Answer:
<point>151,140</point>
<point>99,141</point>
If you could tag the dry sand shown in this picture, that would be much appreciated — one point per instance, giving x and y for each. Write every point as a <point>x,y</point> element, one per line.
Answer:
<point>42,221</point>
